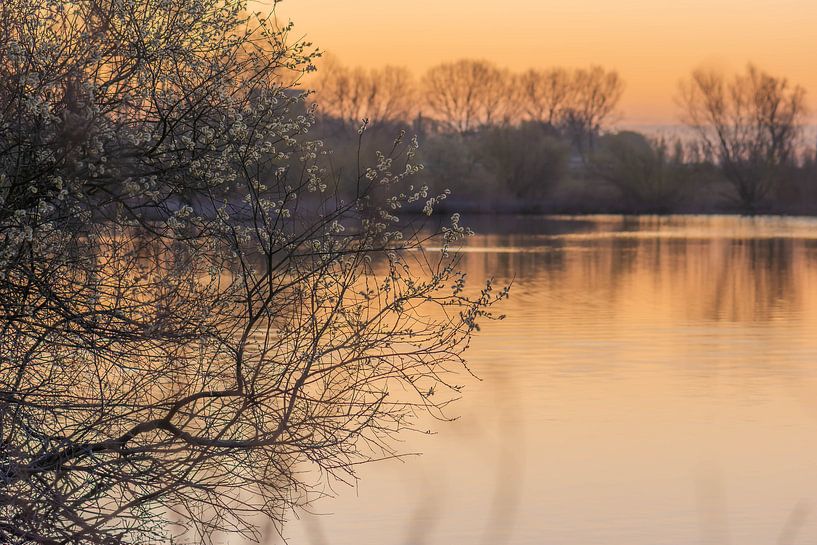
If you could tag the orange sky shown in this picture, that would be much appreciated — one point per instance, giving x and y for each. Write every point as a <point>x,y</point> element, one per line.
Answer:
<point>652,43</point>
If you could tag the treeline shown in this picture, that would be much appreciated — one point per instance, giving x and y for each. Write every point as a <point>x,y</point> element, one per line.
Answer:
<point>471,95</point>
<point>543,140</point>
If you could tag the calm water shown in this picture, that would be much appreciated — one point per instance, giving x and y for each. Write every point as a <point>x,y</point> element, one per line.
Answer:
<point>655,383</point>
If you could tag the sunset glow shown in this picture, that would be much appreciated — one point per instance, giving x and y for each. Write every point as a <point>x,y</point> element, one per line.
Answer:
<point>652,44</point>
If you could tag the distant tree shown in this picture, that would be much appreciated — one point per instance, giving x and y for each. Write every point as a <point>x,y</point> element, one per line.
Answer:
<point>525,160</point>
<point>545,95</point>
<point>595,97</point>
<point>468,94</point>
<point>206,361</point>
<point>394,94</point>
<point>341,91</point>
<point>750,123</point>
<point>380,95</point>
<point>651,178</point>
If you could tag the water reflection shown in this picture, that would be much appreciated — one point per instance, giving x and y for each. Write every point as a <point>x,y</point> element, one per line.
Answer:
<point>654,383</point>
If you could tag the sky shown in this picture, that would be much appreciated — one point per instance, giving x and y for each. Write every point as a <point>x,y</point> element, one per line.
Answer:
<point>652,43</point>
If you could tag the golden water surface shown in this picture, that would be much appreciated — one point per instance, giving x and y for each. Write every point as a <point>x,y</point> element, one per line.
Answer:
<point>655,382</point>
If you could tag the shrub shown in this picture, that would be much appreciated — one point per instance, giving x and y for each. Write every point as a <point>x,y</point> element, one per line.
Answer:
<point>648,176</point>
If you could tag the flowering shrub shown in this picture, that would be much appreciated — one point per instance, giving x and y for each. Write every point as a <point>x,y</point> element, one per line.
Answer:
<point>191,315</point>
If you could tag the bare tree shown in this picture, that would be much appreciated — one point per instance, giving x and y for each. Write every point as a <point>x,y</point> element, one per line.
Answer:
<point>393,94</point>
<point>467,94</point>
<point>546,95</point>
<point>749,123</point>
<point>340,91</point>
<point>191,318</point>
<point>596,94</point>
<point>353,94</point>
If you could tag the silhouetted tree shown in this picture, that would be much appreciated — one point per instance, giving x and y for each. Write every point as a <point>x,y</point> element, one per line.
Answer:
<point>649,176</point>
<point>467,95</point>
<point>596,94</point>
<point>352,94</point>
<point>546,95</point>
<point>749,123</point>
<point>526,160</point>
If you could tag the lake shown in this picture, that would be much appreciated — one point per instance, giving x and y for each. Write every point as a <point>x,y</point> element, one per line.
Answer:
<point>655,382</point>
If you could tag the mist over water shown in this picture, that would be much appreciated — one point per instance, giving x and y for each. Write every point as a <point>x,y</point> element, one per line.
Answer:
<point>654,383</point>
<point>678,132</point>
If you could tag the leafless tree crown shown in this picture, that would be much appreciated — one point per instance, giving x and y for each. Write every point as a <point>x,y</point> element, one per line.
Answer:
<point>749,123</point>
